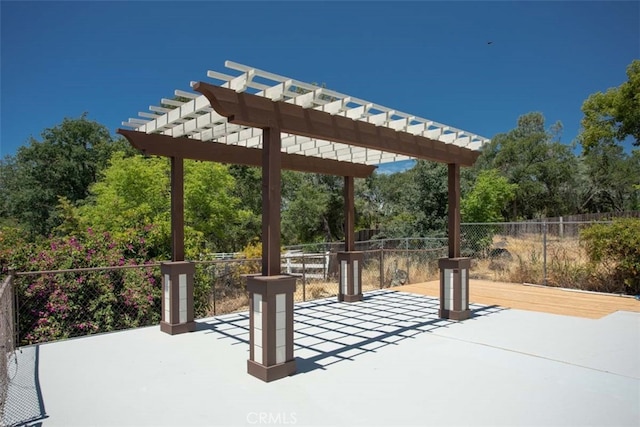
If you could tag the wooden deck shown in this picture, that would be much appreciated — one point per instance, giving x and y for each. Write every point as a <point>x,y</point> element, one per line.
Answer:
<point>536,298</point>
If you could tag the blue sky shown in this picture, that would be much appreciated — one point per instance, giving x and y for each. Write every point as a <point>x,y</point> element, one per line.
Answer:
<point>430,59</point>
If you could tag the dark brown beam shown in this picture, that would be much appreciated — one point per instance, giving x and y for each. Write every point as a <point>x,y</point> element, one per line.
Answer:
<point>256,111</point>
<point>454,210</point>
<point>349,214</point>
<point>271,171</point>
<point>187,148</point>
<point>177,209</point>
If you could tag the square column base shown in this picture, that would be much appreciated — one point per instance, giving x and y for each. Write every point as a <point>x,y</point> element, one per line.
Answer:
<point>177,297</point>
<point>454,288</point>
<point>271,327</point>
<point>350,298</point>
<point>271,373</point>
<point>179,328</point>
<point>350,286</point>
<point>454,315</point>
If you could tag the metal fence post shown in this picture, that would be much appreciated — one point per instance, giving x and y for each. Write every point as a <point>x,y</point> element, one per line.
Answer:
<point>213,278</point>
<point>382,266</point>
<point>408,261</point>
<point>14,301</point>
<point>304,279</point>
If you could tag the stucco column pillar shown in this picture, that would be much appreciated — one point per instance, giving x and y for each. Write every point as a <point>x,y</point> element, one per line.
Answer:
<point>349,261</point>
<point>350,264</point>
<point>271,327</point>
<point>177,297</point>
<point>454,288</point>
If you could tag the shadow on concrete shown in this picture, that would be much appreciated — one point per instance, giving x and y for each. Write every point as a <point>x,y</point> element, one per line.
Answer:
<point>327,331</point>
<point>24,405</point>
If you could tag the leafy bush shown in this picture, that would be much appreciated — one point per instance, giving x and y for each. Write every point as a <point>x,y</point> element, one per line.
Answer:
<point>62,305</point>
<point>485,203</point>
<point>615,248</point>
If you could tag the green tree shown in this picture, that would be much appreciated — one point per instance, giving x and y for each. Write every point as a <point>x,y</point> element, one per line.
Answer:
<point>213,210</point>
<point>543,169</point>
<point>488,199</point>
<point>409,203</point>
<point>65,163</point>
<point>610,179</point>
<point>312,207</point>
<point>610,174</point>
<point>428,197</point>
<point>135,193</point>
<point>384,202</point>
<point>612,116</point>
<point>303,219</point>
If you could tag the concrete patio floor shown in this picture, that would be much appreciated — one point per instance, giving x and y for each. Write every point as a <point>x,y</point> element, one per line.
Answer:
<point>387,360</point>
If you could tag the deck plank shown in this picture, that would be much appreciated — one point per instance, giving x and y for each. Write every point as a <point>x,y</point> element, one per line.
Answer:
<point>536,298</point>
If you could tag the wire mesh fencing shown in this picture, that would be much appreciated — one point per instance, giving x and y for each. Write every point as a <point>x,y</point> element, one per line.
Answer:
<point>387,262</point>
<point>44,306</point>
<point>544,253</point>
<point>24,404</point>
<point>7,344</point>
<point>60,304</point>
<point>53,305</point>
<point>20,396</point>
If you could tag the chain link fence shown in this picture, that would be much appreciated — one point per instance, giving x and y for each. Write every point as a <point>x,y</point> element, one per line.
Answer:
<point>45,306</point>
<point>544,253</point>
<point>6,337</point>
<point>60,304</point>
<point>387,262</point>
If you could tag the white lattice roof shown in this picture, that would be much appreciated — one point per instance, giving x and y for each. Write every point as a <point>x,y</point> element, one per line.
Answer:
<point>193,117</point>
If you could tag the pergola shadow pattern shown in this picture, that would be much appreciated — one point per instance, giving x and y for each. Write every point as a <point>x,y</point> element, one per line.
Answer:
<point>24,405</point>
<point>297,126</point>
<point>327,331</point>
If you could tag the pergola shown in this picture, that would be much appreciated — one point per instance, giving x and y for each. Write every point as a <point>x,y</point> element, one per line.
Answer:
<point>258,118</point>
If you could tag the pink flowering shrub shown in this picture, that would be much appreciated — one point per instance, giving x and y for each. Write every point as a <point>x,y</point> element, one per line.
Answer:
<point>54,306</point>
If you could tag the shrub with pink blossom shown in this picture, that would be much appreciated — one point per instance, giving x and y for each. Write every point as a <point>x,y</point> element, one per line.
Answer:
<point>60,305</point>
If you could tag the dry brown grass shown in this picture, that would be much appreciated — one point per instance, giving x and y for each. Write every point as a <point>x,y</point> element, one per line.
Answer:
<point>525,263</point>
<point>418,270</point>
<point>315,289</point>
<point>228,304</point>
<point>240,301</point>
<point>567,265</point>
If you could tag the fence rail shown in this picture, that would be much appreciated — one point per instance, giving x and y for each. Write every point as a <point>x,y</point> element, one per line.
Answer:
<point>58,304</point>
<point>40,306</point>
<point>312,266</point>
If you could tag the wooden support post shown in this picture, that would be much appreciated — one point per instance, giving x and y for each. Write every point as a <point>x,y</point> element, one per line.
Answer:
<point>381,268</point>
<point>349,214</point>
<point>271,167</point>
<point>454,271</point>
<point>177,209</point>
<point>454,210</point>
